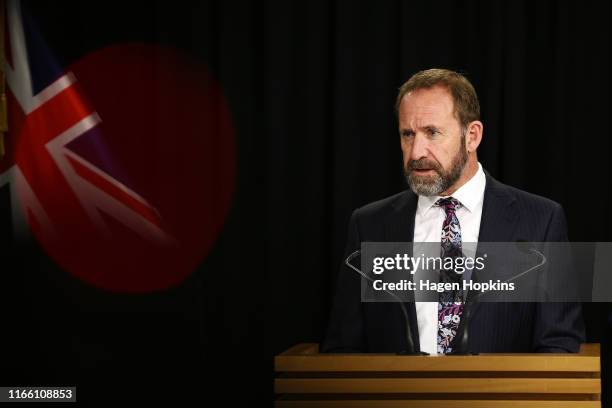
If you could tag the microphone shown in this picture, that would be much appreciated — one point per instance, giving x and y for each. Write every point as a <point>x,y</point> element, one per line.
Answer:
<point>410,349</point>
<point>463,347</point>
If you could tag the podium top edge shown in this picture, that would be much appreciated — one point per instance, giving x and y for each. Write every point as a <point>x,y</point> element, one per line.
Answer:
<point>305,357</point>
<point>312,349</point>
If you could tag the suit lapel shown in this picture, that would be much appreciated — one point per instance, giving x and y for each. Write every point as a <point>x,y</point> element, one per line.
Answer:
<point>399,227</point>
<point>499,214</point>
<point>399,224</point>
<point>497,223</point>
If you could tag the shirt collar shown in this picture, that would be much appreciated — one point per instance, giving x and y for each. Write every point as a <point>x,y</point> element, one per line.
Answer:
<point>469,194</point>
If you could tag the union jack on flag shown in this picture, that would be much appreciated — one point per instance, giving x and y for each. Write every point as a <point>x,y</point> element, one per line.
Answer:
<point>54,190</point>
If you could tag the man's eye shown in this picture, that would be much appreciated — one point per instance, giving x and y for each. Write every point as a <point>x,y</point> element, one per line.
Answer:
<point>434,133</point>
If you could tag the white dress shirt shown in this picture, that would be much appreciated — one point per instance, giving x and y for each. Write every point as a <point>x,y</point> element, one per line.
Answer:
<point>428,228</point>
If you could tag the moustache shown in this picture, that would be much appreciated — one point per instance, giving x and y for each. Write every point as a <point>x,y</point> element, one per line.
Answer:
<point>423,164</point>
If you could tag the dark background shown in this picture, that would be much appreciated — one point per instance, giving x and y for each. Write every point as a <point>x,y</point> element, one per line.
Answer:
<point>311,87</point>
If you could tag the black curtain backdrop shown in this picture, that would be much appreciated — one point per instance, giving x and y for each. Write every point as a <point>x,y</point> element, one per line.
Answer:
<point>311,87</point>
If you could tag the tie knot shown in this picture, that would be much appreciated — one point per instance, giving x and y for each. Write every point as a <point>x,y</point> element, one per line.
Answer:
<point>449,204</point>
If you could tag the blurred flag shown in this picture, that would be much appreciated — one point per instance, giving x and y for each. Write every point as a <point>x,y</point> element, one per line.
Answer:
<point>46,113</point>
<point>91,213</point>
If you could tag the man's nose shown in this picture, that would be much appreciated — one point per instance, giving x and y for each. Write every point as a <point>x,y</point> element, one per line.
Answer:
<point>420,147</point>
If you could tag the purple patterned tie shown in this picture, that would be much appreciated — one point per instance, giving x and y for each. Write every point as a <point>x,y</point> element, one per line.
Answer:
<point>450,306</point>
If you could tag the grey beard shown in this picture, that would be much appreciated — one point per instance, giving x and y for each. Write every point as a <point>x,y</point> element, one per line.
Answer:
<point>441,181</point>
<point>431,187</point>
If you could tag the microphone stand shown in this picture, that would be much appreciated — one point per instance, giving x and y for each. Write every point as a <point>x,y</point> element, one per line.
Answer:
<point>410,351</point>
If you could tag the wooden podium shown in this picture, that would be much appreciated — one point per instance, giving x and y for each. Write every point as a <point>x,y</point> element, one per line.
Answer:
<point>305,378</point>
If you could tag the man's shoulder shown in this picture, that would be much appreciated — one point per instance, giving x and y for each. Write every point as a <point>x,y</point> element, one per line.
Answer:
<point>525,200</point>
<point>388,205</point>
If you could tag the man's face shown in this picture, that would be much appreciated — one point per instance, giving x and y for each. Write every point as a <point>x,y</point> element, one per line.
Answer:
<point>432,141</point>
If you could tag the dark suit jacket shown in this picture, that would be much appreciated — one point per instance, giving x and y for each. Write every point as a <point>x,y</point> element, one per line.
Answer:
<point>508,215</point>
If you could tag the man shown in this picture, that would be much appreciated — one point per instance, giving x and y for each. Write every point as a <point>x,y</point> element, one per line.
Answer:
<point>451,200</point>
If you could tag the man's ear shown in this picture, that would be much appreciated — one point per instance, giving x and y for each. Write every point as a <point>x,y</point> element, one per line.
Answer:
<point>473,135</point>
